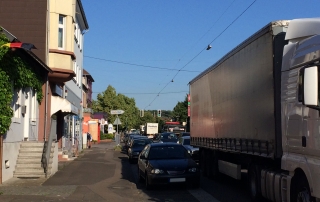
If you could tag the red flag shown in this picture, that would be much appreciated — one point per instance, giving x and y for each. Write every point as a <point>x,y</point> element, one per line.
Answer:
<point>27,46</point>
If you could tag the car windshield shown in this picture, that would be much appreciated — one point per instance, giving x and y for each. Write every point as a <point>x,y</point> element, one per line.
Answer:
<point>168,152</point>
<point>186,142</point>
<point>168,136</point>
<point>142,142</point>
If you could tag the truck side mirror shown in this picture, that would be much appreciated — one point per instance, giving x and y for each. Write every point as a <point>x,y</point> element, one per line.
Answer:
<point>310,86</point>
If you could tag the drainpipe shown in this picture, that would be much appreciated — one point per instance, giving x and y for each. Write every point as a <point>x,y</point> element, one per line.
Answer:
<point>46,109</point>
<point>46,148</point>
<point>47,62</point>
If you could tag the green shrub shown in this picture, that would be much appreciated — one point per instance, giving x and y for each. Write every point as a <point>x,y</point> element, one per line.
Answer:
<point>110,136</point>
<point>103,136</point>
<point>106,136</point>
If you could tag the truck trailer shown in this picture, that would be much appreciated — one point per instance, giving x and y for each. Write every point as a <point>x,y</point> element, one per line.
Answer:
<point>257,109</point>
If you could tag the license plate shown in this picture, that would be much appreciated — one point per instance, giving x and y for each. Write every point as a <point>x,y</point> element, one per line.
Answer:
<point>177,179</point>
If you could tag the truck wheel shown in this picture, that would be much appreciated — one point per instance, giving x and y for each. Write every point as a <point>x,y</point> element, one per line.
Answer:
<point>254,183</point>
<point>300,191</point>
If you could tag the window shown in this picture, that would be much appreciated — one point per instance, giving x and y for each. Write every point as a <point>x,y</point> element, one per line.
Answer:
<point>80,41</point>
<point>61,31</point>
<point>16,105</point>
<point>79,76</point>
<point>75,33</point>
<point>33,105</point>
<point>75,71</point>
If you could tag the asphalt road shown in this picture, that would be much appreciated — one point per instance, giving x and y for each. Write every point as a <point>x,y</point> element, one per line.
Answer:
<point>102,174</point>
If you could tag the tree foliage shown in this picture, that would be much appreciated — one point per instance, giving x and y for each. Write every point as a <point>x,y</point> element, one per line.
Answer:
<point>180,111</point>
<point>15,73</point>
<point>111,100</point>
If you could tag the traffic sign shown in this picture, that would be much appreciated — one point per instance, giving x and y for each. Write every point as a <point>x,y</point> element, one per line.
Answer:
<point>118,111</point>
<point>117,122</point>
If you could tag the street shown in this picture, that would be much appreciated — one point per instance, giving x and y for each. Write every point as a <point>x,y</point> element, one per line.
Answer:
<point>102,174</point>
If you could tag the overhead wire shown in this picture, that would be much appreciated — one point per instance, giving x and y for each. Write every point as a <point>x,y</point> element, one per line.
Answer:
<point>139,65</point>
<point>201,51</point>
<point>201,38</point>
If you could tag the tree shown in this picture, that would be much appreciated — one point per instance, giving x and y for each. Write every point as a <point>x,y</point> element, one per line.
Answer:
<point>15,73</point>
<point>110,100</point>
<point>180,111</point>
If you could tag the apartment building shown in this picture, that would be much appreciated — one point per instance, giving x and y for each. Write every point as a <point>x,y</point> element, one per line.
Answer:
<point>56,28</point>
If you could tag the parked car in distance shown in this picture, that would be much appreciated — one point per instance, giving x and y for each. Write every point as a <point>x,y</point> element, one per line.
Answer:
<point>193,151</point>
<point>136,147</point>
<point>128,140</point>
<point>127,137</point>
<point>167,163</point>
<point>167,137</point>
<point>134,138</point>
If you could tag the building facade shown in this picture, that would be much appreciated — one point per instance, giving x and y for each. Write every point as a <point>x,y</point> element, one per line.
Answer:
<point>56,28</point>
<point>87,81</point>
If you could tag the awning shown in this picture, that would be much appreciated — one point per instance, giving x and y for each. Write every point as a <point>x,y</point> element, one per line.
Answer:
<point>60,104</point>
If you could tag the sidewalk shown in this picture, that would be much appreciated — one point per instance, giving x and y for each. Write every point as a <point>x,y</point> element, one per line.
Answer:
<point>80,179</point>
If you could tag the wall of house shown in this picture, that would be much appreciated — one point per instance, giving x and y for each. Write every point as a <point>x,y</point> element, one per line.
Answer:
<point>13,137</point>
<point>27,20</point>
<point>42,115</point>
<point>60,61</point>
<point>10,157</point>
<point>54,168</point>
<point>94,129</point>
<point>67,9</point>
<point>23,128</point>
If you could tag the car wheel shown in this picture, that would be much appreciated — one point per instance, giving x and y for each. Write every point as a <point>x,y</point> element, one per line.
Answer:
<point>130,160</point>
<point>148,185</point>
<point>139,175</point>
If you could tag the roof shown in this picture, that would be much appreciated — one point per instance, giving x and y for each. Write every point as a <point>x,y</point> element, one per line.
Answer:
<point>100,115</point>
<point>12,38</point>
<point>83,14</point>
<point>87,74</point>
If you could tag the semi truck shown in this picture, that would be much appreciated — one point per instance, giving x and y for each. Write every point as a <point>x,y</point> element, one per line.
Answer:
<point>257,110</point>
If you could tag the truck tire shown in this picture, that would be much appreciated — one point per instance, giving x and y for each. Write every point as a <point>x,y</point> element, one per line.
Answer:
<point>300,191</point>
<point>212,167</point>
<point>254,176</point>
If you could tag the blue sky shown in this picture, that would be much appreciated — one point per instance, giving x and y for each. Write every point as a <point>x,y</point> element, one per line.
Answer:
<point>134,45</point>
